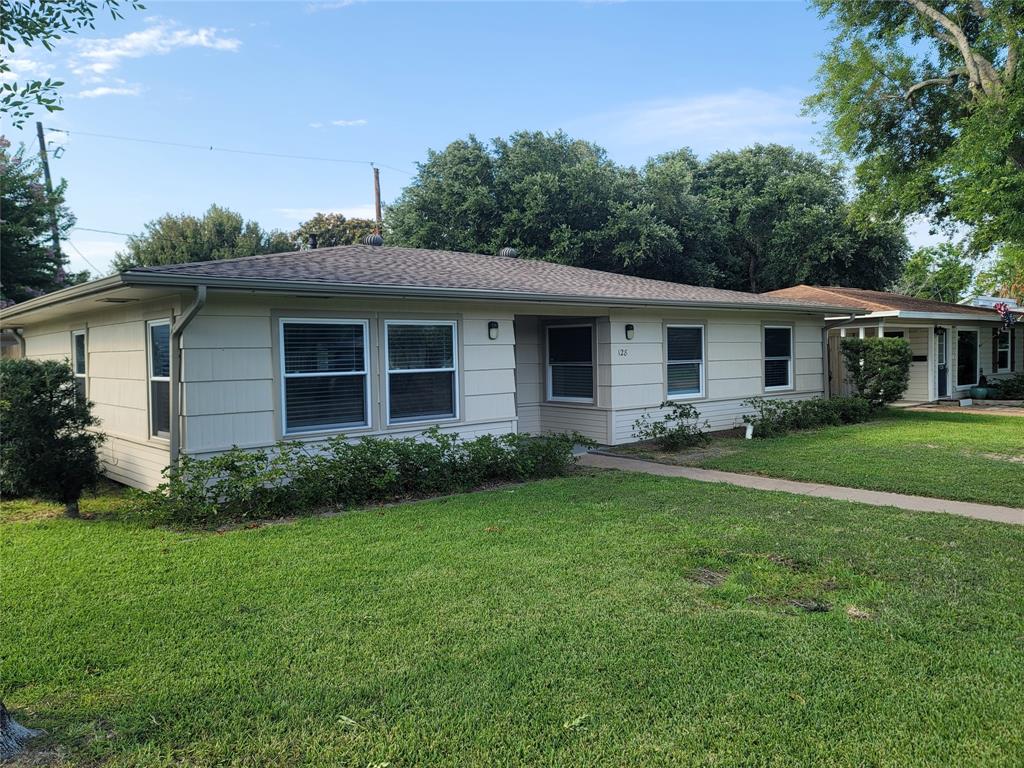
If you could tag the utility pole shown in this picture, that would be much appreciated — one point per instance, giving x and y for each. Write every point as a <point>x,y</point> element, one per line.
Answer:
<point>54,232</point>
<point>376,195</point>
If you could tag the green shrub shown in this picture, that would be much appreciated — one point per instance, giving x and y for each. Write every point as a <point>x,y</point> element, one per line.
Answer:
<point>47,448</point>
<point>773,417</point>
<point>879,368</point>
<point>679,428</point>
<point>296,478</point>
<point>1011,388</point>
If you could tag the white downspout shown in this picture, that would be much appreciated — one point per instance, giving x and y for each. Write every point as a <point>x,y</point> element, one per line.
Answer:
<point>176,331</point>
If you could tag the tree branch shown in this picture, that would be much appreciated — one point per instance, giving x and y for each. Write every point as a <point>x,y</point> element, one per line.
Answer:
<point>948,80</point>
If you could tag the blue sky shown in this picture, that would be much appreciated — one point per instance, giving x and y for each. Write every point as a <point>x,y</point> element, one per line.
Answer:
<point>384,82</point>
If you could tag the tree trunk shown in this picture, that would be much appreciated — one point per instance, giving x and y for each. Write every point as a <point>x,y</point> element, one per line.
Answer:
<point>752,271</point>
<point>71,509</point>
<point>13,734</point>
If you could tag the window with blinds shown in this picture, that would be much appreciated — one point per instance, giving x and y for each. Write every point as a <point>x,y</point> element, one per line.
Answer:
<point>778,357</point>
<point>570,371</point>
<point>422,362</point>
<point>324,366</point>
<point>160,378</point>
<point>79,363</point>
<point>685,360</point>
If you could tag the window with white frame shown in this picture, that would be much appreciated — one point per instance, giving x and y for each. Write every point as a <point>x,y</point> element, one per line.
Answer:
<point>1003,350</point>
<point>324,374</point>
<point>422,365</point>
<point>160,378</point>
<point>570,367</point>
<point>778,357</point>
<point>685,360</point>
<point>79,363</point>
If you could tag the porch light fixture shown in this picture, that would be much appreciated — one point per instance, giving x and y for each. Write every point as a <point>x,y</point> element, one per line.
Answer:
<point>492,330</point>
<point>630,331</point>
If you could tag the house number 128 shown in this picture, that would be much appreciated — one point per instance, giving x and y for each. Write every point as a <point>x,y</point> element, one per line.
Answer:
<point>623,352</point>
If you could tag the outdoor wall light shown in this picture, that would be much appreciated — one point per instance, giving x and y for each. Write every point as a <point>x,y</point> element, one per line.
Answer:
<point>630,331</point>
<point>492,330</point>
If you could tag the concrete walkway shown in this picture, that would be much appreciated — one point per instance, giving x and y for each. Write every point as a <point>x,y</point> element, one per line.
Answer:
<point>877,498</point>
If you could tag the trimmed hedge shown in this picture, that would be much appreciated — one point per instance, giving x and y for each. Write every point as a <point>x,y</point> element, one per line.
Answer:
<point>777,417</point>
<point>294,479</point>
<point>1009,389</point>
<point>879,368</point>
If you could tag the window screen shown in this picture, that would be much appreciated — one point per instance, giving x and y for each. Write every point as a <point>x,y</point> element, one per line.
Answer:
<point>421,371</point>
<point>685,360</point>
<point>160,379</point>
<point>325,375</point>
<point>778,357</point>
<point>79,362</point>
<point>1003,351</point>
<point>570,362</point>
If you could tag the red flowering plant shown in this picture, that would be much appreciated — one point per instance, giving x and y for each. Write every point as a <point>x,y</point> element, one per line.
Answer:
<point>1006,313</point>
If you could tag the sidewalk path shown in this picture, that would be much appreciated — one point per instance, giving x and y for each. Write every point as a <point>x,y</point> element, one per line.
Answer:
<point>877,498</point>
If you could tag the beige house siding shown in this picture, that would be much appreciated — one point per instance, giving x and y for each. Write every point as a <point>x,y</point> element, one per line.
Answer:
<point>117,383</point>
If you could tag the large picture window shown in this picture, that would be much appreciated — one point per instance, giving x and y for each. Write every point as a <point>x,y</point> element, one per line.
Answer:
<point>966,358</point>
<point>422,361</point>
<point>80,363</point>
<point>570,352</point>
<point>160,378</point>
<point>1003,350</point>
<point>778,357</point>
<point>325,378</point>
<point>685,361</point>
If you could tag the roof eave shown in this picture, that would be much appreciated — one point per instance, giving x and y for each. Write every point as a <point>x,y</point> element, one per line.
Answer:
<point>64,294</point>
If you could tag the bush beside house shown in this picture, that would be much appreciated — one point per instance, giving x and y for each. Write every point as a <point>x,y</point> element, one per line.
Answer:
<point>879,368</point>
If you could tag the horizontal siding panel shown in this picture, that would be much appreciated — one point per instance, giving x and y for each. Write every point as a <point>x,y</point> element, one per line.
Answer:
<point>227,364</point>
<point>738,350</point>
<point>637,395</point>
<point>587,421</point>
<point>474,330</point>
<point>220,431</point>
<point>118,337</point>
<point>204,398</point>
<point>124,393</point>
<point>215,332</point>
<point>809,364</point>
<point>493,382</point>
<point>479,407</point>
<point>806,381</point>
<point>120,420</point>
<point>733,388</point>
<point>484,357</point>
<point>118,365</point>
<point>638,374</point>
<point>637,353</point>
<point>734,369</point>
<point>56,345</point>
<point>139,466</point>
<point>719,331</point>
<point>809,349</point>
<point>809,334</point>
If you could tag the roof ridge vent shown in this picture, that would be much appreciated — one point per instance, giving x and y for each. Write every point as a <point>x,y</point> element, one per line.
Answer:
<point>373,239</point>
<point>508,252</point>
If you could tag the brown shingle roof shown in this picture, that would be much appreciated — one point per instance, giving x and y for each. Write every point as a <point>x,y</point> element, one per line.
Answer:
<point>364,265</point>
<point>876,301</point>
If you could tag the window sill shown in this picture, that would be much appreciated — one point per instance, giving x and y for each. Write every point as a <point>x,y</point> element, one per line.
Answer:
<point>694,396</point>
<point>787,388</point>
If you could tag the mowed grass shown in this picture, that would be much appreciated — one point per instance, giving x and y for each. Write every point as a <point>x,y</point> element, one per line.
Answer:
<point>967,457</point>
<point>606,620</point>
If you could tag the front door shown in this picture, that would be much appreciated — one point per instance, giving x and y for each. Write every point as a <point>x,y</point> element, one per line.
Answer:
<point>942,367</point>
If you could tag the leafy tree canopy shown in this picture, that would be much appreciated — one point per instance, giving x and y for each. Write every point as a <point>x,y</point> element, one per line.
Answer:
<point>219,234</point>
<point>331,229</point>
<point>759,219</point>
<point>43,22</point>
<point>926,97</point>
<point>1005,277</point>
<point>943,272</point>
<point>28,264</point>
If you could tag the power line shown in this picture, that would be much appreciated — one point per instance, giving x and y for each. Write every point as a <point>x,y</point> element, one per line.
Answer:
<point>83,256</point>
<point>212,148</point>
<point>101,231</point>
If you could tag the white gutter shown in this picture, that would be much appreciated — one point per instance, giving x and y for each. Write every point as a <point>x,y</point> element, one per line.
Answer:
<point>176,331</point>
<point>909,315</point>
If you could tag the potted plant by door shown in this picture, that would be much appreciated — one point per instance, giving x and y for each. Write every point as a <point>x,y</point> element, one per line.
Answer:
<point>981,391</point>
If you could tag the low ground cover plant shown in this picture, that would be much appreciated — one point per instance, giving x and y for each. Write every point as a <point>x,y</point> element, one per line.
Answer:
<point>679,428</point>
<point>294,478</point>
<point>772,417</point>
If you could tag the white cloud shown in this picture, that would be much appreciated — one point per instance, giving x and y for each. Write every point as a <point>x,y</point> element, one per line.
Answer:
<point>316,125</point>
<point>348,123</point>
<point>706,123</point>
<point>106,90</point>
<point>349,212</point>
<point>330,5</point>
<point>23,65</point>
<point>100,56</point>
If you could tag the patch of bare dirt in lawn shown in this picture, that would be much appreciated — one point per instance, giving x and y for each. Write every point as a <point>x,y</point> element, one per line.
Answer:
<point>709,577</point>
<point>1004,457</point>
<point>721,445</point>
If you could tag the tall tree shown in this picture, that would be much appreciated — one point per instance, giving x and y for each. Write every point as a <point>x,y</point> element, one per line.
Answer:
<point>330,229</point>
<point>1005,277</point>
<point>28,264</point>
<point>926,97</point>
<point>941,272</point>
<point>43,22</point>
<point>787,220</point>
<point>219,234</point>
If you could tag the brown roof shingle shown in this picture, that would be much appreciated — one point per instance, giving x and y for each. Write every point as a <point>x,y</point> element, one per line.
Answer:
<point>365,265</point>
<point>876,301</point>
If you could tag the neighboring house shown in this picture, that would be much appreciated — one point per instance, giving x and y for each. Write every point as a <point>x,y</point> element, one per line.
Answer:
<point>953,344</point>
<point>373,340</point>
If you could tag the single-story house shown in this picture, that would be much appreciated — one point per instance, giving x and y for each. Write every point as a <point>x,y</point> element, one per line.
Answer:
<point>954,345</point>
<point>375,340</point>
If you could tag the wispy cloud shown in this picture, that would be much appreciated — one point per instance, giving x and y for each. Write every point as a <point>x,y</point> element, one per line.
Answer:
<point>304,214</point>
<point>107,90</point>
<point>340,123</point>
<point>707,123</point>
<point>100,56</point>
<point>330,5</point>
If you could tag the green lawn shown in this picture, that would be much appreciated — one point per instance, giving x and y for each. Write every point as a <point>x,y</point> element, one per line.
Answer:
<point>968,457</point>
<point>615,619</point>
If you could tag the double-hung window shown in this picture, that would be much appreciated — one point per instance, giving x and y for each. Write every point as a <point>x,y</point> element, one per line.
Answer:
<point>159,378</point>
<point>570,351</point>
<point>1003,351</point>
<point>778,357</point>
<point>685,360</point>
<point>422,364</point>
<point>79,363</point>
<point>325,374</point>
